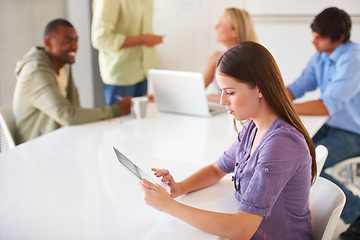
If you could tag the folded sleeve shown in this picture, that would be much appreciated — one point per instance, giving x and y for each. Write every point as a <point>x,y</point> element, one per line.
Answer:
<point>344,84</point>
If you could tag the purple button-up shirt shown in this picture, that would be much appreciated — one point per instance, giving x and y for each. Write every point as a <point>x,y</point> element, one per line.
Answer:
<point>274,181</point>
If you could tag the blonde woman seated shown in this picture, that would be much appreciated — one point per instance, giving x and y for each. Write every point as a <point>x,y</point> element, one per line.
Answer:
<point>234,26</point>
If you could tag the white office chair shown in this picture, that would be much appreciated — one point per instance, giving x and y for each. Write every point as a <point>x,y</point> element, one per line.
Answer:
<point>8,125</point>
<point>327,201</point>
<point>321,155</point>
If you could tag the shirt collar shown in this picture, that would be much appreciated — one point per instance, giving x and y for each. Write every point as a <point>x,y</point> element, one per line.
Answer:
<point>336,53</point>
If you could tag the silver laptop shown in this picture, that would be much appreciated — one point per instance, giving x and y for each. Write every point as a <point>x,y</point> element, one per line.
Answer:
<point>182,92</point>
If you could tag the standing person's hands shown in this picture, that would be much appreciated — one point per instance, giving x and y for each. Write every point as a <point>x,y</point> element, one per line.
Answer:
<point>150,97</point>
<point>151,40</point>
<point>148,40</point>
<point>125,105</point>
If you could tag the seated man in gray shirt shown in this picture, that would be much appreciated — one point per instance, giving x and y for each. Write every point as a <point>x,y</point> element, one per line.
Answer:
<point>45,96</point>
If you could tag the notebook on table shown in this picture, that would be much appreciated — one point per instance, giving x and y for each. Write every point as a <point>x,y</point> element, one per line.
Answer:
<point>182,93</point>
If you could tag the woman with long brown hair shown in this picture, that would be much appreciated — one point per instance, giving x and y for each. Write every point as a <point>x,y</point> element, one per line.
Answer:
<point>272,159</point>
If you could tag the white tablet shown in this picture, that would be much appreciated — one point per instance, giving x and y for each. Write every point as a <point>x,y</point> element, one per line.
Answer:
<point>135,170</point>
<point>140,174</point>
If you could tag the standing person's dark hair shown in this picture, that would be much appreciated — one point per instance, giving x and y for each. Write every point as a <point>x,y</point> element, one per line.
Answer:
<point>333,23</point>
<point>251,63</point>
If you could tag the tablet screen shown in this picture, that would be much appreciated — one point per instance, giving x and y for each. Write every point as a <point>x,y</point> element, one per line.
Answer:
<point>140,174</point>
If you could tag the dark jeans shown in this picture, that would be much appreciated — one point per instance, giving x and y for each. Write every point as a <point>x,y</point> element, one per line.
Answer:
<point>114,93</point>
<point>341,145</point>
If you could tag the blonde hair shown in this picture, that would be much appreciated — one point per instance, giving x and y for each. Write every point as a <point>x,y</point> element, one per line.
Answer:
<point>241,21</point>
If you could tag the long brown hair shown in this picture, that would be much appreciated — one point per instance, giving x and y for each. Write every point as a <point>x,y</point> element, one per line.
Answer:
<point>251,63</point>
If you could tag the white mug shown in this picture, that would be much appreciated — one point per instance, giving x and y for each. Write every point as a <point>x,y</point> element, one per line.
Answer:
<point>139,106</point>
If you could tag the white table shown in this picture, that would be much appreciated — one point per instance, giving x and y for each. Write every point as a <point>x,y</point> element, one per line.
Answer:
<point>68,184</point>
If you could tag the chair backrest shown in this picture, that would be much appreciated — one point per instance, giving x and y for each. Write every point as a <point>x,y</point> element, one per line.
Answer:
<point>327,201</point>
<point>321,155</point>
<point>8,125</point>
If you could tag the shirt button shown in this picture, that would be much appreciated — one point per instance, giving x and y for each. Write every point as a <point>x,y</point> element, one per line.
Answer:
<point>266,169</point>
<point>236,164</point>
<point>237,189</point>
<point>244,153</point>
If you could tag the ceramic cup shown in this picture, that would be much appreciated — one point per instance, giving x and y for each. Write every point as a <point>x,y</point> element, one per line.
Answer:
<point>139,105</point>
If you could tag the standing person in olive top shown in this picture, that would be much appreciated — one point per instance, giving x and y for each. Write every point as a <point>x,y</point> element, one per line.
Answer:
<point>234,26</point>
<point>45,96</point>
<point>122,31</point>
<point>335,69</point>
<point>272,159</point>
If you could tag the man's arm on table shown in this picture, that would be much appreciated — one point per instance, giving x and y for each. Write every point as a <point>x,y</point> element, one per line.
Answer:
<point>314,107</point>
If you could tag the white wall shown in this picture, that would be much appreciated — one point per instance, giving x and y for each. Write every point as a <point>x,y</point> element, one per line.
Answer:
<point>283,26</point>
<point>79,14</point>
<point>297,7</point>
<point>188,26</point>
